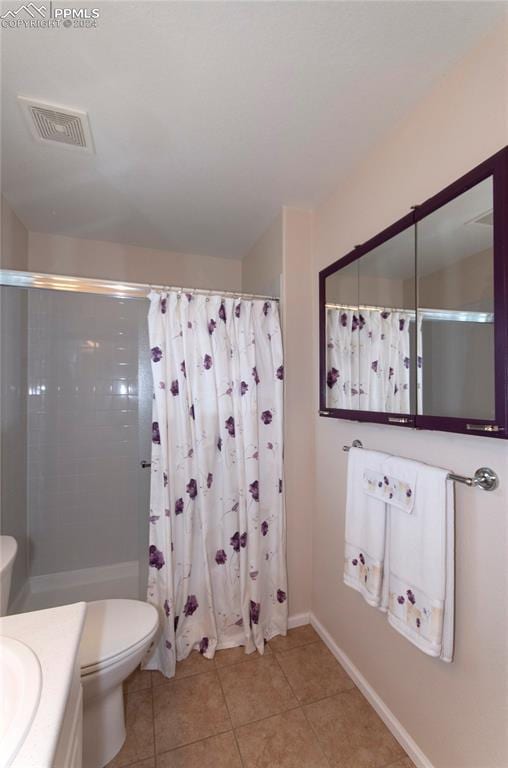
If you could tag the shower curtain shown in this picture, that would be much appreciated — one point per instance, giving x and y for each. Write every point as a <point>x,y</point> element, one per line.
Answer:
<point>217,529</point>
<point>368,360</point>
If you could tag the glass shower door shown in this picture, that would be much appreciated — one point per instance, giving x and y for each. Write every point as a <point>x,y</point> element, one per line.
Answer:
<point>88,402</point>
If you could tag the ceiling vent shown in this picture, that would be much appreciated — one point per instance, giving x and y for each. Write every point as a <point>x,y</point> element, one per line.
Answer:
<point>50,124</point>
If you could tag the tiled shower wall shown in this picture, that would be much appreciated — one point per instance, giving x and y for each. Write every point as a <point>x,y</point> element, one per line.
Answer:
<point>89,400</point>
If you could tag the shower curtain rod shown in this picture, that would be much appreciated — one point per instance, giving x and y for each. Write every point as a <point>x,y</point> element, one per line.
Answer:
<point>430,314</point>
<point>114,288</point>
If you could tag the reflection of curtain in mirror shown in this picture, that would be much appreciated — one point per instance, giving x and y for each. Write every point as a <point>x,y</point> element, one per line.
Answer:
<point>342,359</point>
<point>368,360</point>
<point>419,363</point>
<point>384,361</point>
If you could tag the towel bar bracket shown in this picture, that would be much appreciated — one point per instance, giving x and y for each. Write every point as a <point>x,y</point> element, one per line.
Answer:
<point>484,478</point>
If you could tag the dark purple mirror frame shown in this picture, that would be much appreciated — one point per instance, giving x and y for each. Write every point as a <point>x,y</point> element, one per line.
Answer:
<point>497,167</point>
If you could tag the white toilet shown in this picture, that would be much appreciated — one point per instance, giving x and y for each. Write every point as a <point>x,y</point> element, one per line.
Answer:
<point>8,549</point>
<point>116,636</point>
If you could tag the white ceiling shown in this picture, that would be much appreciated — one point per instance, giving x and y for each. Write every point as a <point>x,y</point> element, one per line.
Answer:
<point>207,117</point>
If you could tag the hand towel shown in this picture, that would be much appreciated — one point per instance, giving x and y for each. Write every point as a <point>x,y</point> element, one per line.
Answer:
<point>419,571</point>
<point>365,528</point>
<point>396,491</point>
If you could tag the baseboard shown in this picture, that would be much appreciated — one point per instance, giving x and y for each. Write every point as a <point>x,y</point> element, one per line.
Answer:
<point>98,574</point>
<point>298,620</point>
<point>386,715</point>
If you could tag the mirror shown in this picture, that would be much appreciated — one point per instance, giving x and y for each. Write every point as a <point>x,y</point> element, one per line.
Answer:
<point>455,260</point>
<point>370,330</point>
<point>387,310</point>
<point>342,322</point>
<point>414,322</point>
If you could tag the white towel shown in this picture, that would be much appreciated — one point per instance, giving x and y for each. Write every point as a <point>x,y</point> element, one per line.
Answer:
<point>396,491</point>
<point>419,568</point>
<point>365,527</point>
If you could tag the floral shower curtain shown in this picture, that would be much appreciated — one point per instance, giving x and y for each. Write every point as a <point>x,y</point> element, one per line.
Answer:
<point>217,529</point>
<point>368,360</point>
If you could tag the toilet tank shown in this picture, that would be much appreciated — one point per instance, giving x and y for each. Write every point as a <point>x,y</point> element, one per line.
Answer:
<point>8,549</point>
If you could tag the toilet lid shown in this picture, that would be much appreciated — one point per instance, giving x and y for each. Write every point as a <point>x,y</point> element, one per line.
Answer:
<point>114,626</point>
<point>8,549</point>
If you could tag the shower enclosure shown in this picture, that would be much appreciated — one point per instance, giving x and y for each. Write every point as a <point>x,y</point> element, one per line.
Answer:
<point>75,405</point>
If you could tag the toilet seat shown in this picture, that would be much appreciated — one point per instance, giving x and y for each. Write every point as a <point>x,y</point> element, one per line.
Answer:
<point>116,636</point>
<point>114,629</point>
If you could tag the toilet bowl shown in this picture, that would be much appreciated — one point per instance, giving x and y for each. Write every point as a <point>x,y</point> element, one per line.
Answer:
<point>8,549</point>
<point>116,636</point>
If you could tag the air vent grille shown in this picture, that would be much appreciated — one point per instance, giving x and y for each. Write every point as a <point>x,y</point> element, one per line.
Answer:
<point>58,125</point>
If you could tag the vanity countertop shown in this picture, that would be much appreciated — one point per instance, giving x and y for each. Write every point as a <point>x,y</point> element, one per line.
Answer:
<point>54,636</point>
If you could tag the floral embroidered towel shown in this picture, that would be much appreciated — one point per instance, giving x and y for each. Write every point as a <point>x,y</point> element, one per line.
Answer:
<point>365,528</point>
<point>420,564</point>
<point>397,491</point>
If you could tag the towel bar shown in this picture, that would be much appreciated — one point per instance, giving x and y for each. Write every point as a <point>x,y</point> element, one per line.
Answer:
<point>484,478</point>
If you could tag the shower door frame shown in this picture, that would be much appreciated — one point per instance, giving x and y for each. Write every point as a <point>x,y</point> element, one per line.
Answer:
<point>114,288</point>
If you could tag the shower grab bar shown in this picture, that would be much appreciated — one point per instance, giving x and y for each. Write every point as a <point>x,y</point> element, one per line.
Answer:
<point>484,478</point>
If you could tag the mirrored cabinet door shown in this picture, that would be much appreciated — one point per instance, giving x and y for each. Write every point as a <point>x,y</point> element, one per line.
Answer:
<point>386,326</point>
<point>368,327</point>
<point>342,343</point>
<point>455,261</point>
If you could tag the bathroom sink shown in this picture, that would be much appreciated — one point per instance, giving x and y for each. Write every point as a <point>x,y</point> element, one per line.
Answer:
<point>20,689</point>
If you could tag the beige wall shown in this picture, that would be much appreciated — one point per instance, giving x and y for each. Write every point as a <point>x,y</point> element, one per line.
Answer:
<point>262,265</point>
<point>298,405</point>
<point>113,261</point>
<point>14,240</point>
<point>456,713</point>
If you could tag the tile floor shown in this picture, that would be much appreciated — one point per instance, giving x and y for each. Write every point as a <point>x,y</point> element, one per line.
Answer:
<point>294,707</point>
